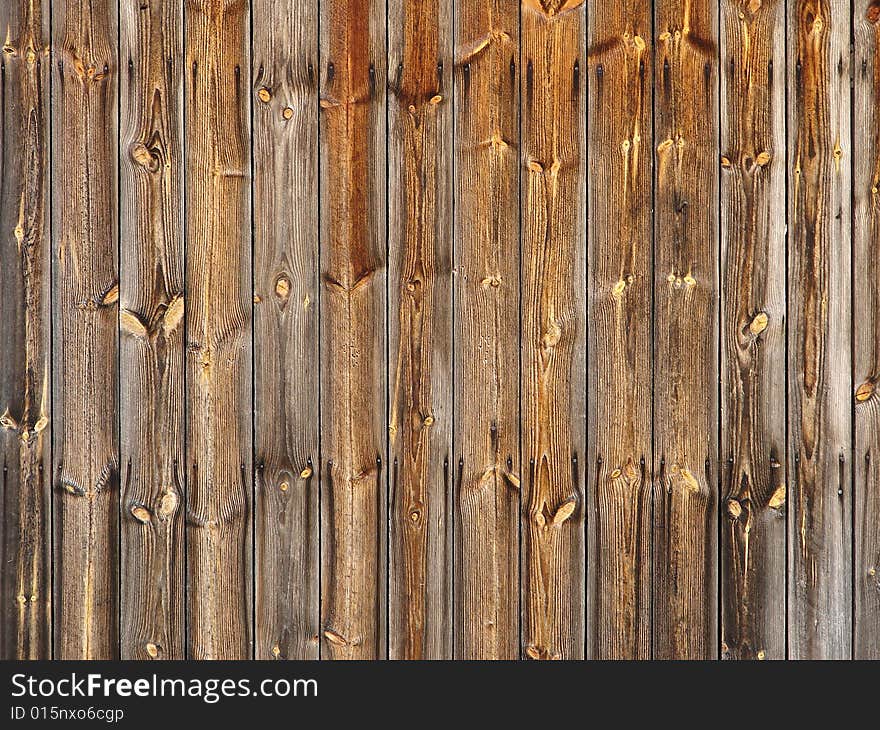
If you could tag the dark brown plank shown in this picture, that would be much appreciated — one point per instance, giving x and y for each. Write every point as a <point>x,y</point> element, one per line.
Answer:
<point>286,359</point>
<point>420,327</point>
<point>85,352</point>
<point>486,464</point>
<point>686,330</point>
<point>753,329</point>
<point>218,329</point>
<point>620,228</point>
<point>353,392</point>
<point>819,356</point>
<point>553,327</point>
<point>25,332</point>
<point>151,326</point>
<point>866,332</point>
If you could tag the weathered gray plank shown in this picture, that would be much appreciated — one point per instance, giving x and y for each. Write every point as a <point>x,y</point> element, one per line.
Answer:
<point>866,332</point>
<point>286,350</point>
<point>819,338</point>
<point>85,351</point>
<point>25,332</point>
<point>218,330</point>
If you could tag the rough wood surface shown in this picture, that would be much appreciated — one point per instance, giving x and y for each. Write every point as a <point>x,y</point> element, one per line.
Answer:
<point>85,350</point>
<point>620,182</point>
<point>286,356</point>
<point>553,327</point>
<point>564,342</point>
<point>753,329</point>
<point>218,330</point>
<point>151,301</point>
<point>25,332</point>
<point>420,328</point>
<point>686,329</point>
<point>866,330</point>
<point>819,309</point>
<point>353,297</point>
<point>485,468</point>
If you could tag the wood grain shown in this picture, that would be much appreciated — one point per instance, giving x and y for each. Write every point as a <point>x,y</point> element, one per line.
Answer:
<point>753,450</point>
<point>866,326</point>
<point>85,349</point>
<point>620,228</point>
<point>485,468</point>
<point>218,330</point>
<point>686,330</point>
<point>819,356</point>
<point>151,296</point>
<point>353,297</point>
<point>25,333</point>
<point>432,329</point>
<point>420,328</point>
<point>286,357</point>
<point>553,327</point>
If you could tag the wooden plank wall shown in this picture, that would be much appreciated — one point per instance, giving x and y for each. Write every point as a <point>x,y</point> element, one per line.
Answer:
<point>433,329</point>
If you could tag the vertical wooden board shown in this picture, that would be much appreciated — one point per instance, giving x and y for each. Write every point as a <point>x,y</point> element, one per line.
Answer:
<point>553,327</point>
<point>286,360</point>
<point>753,329</point>
<point>819,380</point>
<point>151,330</point>
<point>25,332</point>
<point>85,351</point>
<point>685,330</point>
<point>218,329</point>
<point>620,229</point>
<point>866,330</point>
<point>353,377</point>
<point>485,466</point>
<point>420,327</point>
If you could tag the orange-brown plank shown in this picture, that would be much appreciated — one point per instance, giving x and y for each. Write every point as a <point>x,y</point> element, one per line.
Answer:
<point>553,378</point>
<point>620,183</point>
<point>685,591</point>
<point>485,465</point>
